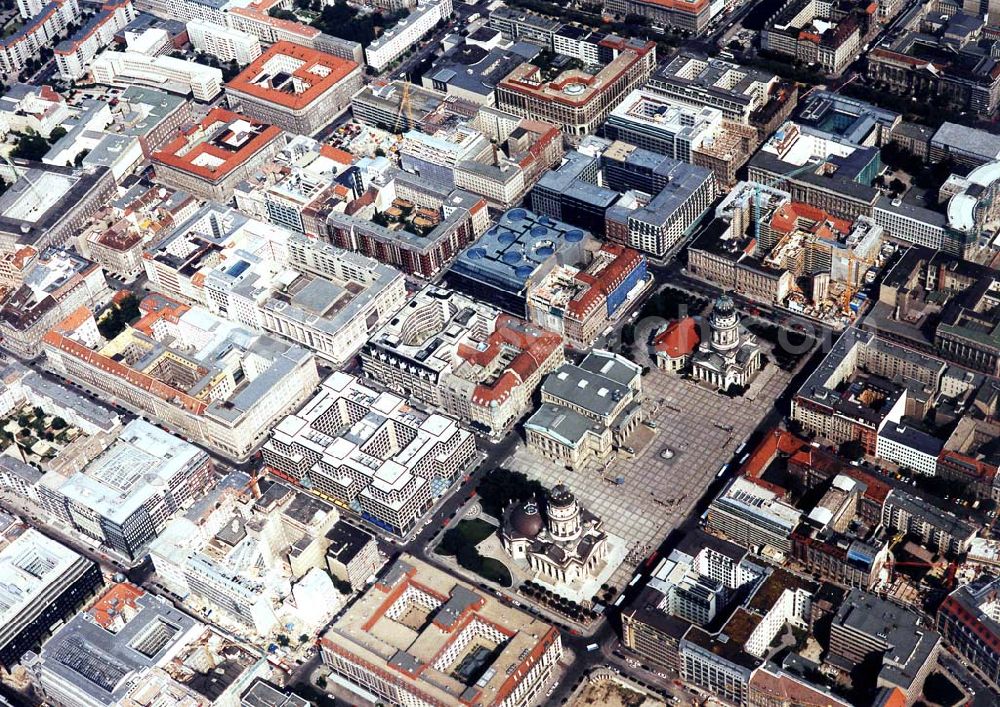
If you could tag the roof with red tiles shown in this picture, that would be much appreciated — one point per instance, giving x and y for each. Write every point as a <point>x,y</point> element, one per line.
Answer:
<point>535,346</point>
<point>787,218</point>
<point>792,690</point>
<point>605,280</point>
<point>318,73</point>
<point>680,338</point>
<point>209,137</point>
<point>109,606</point>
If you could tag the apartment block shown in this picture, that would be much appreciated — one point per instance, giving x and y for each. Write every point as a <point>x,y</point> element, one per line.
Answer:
<point>395,41</point>
<point>43,24</point>
<point>224,43</point>
<point>74,55</point>
<point>464,357</point>
<point>206,378</point>
<point>298,89</point>
<point>370,452</point>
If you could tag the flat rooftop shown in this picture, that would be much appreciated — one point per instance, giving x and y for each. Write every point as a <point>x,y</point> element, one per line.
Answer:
<point>406,622</point>
<point>217,145</point>
<point>291,76</point>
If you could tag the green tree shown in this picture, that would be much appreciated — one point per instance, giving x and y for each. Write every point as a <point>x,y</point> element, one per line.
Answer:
<point>57,133</point>
<point>303,637</point>
<point>503,486</point>
<point>469,558</point>
<point>80,156</point>
<point>283,640</point>
<point>58,423</point>
<point>120,315</point>
<point>30,146</point>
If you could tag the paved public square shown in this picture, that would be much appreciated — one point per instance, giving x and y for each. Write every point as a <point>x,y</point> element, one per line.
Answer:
<point>700,426</point>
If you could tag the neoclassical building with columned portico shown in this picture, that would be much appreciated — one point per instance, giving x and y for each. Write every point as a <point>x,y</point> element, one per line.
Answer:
<point>563,543</point>
<point>730,355</point>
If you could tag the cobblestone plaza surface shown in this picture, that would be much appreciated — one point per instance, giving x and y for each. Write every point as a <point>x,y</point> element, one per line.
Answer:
<point>657,493</point>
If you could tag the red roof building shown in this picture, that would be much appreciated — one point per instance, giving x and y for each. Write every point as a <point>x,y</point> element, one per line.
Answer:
<point>296,88</point>
<point>211,157</point>
<point>675,344</point>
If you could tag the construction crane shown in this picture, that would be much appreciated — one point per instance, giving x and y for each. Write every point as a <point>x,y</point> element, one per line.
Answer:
<point>404,105</point>
<point>849,289</point>
<point>759,188</point>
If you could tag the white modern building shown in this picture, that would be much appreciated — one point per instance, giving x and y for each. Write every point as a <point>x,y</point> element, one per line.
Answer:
<point>395,41</point>
<point>125,497</point>
<point>370,451</point>
<point>908,447</point>
<point>41,584</point>
<point>224,43</point>
<point>165,72</point>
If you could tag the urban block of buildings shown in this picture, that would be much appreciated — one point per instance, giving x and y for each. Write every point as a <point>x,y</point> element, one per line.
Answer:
<point>809,31</point>
<point>298,89</point>
<point>43,584</point>
<point>745,95</point>
<point>412,224</point>
<point>576,100</point>
<point>419,635</point>
<point>205,378</point>
<point>947,59</point>
<point>795,256</point>
<point>700,136</point>
<point>632,196</point>
<point>56,284</point>
<point>463,357</point>
<point>125,496</point>
<point>370,452</point>
<point>47,205</point>
<point>210,158</point>
<point>268,279</point>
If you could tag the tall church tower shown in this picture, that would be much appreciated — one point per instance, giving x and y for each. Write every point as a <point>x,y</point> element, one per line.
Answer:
<point>563,513</point>
<point>725,324</point>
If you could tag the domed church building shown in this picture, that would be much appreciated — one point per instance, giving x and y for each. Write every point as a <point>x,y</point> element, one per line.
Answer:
<point>562,542</point>
<point>731,355</point>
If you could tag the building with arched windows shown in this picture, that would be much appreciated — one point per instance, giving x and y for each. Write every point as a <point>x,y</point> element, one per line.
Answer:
<point>562,543</point>
<point>731,354</point>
